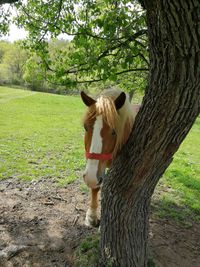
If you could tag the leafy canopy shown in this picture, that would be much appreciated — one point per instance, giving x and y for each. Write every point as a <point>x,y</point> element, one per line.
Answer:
<point>106,38</point>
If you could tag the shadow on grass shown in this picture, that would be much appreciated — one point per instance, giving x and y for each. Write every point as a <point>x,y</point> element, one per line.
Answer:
<point>167,208</point>
<point>32,242</point>
<point>36,229</point>
<point>177,195</point>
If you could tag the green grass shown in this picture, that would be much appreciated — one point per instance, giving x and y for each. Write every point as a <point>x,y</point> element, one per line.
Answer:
<point>41,136</point>
<point>178,192</point>
<point>67,180</point>
<point>7,94</point>
<point>83,187</point>
<point>87,254</point>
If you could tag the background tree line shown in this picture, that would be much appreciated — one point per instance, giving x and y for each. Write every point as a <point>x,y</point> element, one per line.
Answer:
<point>20,66</point>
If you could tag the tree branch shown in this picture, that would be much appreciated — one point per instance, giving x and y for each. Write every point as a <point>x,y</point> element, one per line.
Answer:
<point>2,2</point>
<point>142,3</point>
<point>99,79</point>
<point>144,58</point>
<point>130,39</point>
<point>118,73</point>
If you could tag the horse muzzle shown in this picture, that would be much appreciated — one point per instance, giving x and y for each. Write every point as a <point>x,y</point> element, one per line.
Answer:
<point>93,181</point>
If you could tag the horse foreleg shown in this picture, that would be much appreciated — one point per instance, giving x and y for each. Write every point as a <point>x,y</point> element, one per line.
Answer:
<point>91,214</point>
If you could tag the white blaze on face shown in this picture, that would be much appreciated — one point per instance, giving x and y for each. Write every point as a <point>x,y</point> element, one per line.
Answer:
<point>96,147</point>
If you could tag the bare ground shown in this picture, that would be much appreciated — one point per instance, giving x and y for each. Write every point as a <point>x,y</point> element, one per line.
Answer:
<point>42,224</point>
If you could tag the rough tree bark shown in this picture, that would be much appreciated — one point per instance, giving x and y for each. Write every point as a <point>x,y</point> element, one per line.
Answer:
<point>169,109</point>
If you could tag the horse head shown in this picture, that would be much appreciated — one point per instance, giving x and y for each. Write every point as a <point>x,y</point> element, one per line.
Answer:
<point>102,129</point>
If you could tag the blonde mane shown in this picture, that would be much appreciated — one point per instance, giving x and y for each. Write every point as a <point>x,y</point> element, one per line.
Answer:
<point>120,120</point>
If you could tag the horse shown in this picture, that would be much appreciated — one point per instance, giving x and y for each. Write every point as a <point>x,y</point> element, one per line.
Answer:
<point>108,122</point>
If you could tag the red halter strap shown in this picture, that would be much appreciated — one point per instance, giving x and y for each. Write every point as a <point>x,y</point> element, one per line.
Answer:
<point>89,155</point>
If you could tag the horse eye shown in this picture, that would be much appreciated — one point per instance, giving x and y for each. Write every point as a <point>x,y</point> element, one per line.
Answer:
<point>113,132</point>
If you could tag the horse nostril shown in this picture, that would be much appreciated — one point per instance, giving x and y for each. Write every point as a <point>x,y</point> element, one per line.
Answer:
<point>99,179</point>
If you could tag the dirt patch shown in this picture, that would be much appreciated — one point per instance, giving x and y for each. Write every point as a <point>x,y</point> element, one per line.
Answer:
<point>42,224</point>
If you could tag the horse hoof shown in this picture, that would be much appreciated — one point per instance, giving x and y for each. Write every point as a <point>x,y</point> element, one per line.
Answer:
<point>92,222</point>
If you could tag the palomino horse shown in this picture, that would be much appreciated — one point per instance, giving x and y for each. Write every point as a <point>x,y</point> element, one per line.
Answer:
<point>108,122</point>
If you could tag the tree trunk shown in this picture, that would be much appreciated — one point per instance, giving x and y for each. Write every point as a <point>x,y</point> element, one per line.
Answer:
<point>124,230</point>
<point>169,109</point>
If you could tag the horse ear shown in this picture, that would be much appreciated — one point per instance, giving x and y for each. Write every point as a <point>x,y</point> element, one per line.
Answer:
<point>120,100</point>
<point>87,100</point>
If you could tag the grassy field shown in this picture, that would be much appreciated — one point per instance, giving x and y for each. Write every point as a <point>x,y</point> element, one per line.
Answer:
<point>41,137</point>
<point>178,192</point>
